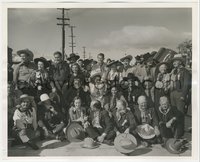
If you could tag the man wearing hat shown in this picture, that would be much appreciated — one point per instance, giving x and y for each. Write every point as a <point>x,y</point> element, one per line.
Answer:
<point>180,84</point>
<point>100,67</point>
<point>22,71</point>
<point>50,120</point>
<point>25,121</point>
<point>72,59</point>
<point>127,68</point>
<point>132,90</point>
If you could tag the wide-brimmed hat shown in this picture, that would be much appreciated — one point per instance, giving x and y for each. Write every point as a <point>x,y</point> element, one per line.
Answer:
<point>180,59</point>
<point>75,132</point>
<point>125,143</point>
<point>116,63</point>
<point>89,143</point>
<point>43,97</point>
<point>27,52</point>
<point>176,146</point>
<point>24,96</point>
<point>126,57</point>
<point>145,131</point>
<point>73,55</point>
<point>41,59</point>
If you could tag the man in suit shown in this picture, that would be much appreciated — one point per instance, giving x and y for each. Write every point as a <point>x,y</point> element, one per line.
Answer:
<point>101,123</point>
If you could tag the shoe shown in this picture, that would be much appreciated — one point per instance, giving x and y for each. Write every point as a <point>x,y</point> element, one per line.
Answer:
<point>108,142</point>
<point>32,145</point>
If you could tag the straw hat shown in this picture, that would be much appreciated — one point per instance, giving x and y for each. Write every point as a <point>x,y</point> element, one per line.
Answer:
<point>176,146</point>
<point>125,143</point>
<point>89,143</point>
<point>43,97</point>
<point>129,57</point>
<point>24,96</point>
<point>145,131</point>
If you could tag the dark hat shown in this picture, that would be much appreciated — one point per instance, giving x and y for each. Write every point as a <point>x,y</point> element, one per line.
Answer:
<point>75,132</point>
<point>27,52</point>
<point>126,57</point>
<point>176,146</point>
<point>89,143</point>
<point>163,63</point>
<point>116,63</point>
<point>145,131</point>
<point>125,143</point>
<point>131,76</point>
<point>42,59</point>
<point>73,55</point>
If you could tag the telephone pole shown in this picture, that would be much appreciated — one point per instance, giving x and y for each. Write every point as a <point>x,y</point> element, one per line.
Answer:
<point>63,24</point>
<point>84,53</point>
<point>72,39</point>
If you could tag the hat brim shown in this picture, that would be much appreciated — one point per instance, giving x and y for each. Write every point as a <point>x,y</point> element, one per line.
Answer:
<point>29,53</point>
<point>120,148</point>
<point>141,132</point>
<point>179,59</point>
<point>91,147</point>
<point>170,149</point>
<point>75,57</point>
<point>46,63</point>
<point>126,57</point>
<point>28,97</point>
<point>75,125</point>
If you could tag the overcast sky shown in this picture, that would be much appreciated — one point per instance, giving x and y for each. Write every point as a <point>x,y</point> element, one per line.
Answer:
<point>111,31</point>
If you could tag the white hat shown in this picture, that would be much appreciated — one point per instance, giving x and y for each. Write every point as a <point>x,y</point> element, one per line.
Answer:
<point>44,97</point>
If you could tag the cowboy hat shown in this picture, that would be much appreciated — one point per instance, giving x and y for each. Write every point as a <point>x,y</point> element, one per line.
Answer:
<point>27,52</point>
<point>116,63</point>
<point>125,143</point>
<point>41,59</point>
<point>179,58</point>
<point>24,96</point>
<point>176,146</point>
<point>145,131</point>
<point>43,97</point>
<point>126,57</point>
<point>73,55</point>
<point>75,132</point>
<point>89,143</point>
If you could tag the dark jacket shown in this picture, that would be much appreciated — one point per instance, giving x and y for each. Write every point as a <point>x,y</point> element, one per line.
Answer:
<point>104,120</point>
<point>151,117</point>
<point>127,120</point>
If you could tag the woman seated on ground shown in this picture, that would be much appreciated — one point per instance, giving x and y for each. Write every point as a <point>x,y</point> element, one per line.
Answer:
<point>77,113</point>
<point>124,119</point>
<point>25,122</point>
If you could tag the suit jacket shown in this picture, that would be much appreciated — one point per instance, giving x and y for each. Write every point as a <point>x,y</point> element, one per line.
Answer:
<point>127,120</point>
<point>104,120</point>
<point>151,117</point>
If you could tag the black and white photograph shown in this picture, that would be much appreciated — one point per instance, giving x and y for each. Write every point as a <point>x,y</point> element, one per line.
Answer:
<point>101,81</point>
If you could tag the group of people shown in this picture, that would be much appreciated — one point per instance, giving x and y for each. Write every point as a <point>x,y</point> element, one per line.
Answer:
<point>106,98</point>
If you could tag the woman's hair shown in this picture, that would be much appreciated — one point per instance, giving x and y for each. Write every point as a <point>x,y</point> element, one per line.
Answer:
<point>75,98</point>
